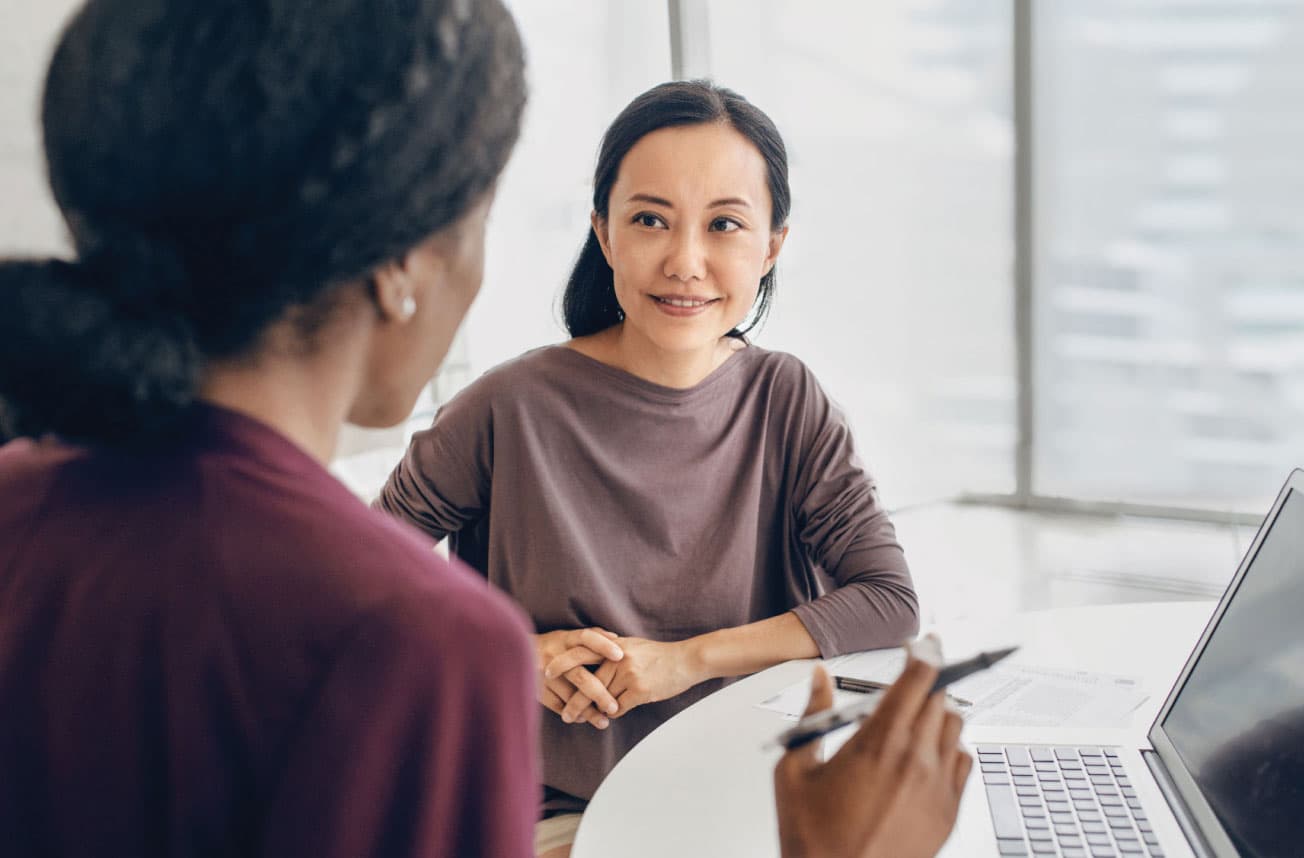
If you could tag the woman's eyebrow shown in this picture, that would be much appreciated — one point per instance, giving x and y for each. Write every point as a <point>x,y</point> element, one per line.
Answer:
<point>661,201</point>
<point>648,198</point>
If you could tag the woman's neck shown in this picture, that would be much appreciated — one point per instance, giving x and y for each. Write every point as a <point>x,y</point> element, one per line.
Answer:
<point>623,348</point>
<point>274,398</point>
<point>305,397</point>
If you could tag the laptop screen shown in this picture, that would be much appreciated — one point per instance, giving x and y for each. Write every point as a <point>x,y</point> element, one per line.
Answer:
<point>1238,721</point>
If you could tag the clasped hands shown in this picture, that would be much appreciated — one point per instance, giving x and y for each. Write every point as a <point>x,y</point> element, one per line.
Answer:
<point>627,672</point>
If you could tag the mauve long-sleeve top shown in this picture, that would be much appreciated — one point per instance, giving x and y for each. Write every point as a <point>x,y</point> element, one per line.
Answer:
<point>213,648</point>
<point>596,498</point>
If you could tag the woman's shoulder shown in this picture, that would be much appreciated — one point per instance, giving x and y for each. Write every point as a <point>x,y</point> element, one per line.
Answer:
<point>514,378</point>
<point>439,602</point>
<point>334,560</point>
<point>793,395</point>
<point>775,360</point>
<point>782,371</point>
<point>340,588</point>
<point>527,366</point>
<point>435,588</point>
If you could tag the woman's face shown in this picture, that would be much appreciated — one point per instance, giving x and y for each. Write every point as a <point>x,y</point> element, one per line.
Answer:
<point>688,235</point>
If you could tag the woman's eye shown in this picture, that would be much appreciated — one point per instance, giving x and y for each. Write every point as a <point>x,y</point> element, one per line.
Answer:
<point>724,224</point>
<point>647,219</point>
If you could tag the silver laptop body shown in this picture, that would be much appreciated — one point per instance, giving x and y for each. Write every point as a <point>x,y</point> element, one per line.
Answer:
<point>1227,747</point>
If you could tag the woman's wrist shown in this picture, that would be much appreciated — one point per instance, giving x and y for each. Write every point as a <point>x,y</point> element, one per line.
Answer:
<point>749,648</point>
<point>700,654</point>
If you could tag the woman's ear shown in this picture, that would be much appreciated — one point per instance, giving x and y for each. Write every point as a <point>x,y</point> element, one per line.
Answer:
<point>777,238</point>
<point>599,224</point>
<point>392,292</point>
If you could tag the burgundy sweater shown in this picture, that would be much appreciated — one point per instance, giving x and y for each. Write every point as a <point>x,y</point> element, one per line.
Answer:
<point>594,497</point>
<point>213,648</point>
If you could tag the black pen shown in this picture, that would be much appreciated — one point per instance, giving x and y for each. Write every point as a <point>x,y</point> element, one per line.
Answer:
<point>870,686</point>
<point>955,672</point>
<point>820,724</point>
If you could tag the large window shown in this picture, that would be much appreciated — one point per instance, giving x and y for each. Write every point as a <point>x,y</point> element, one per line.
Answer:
<point>1169,208</point>
<point>1165,344</point>
<point>1164,340</point>
<point>895,284</point>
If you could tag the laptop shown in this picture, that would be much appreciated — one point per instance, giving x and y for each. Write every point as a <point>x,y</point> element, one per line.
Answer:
<point>1223,772</point>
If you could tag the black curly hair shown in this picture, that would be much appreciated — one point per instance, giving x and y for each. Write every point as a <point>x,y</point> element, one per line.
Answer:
<point>224,164</point>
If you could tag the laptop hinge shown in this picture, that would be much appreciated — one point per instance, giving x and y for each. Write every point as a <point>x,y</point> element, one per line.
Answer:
<point>1178,806</point>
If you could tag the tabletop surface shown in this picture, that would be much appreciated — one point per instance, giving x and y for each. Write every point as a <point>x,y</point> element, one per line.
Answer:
<point>701,784</point>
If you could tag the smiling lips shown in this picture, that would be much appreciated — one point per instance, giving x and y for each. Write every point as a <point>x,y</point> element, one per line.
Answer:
<point>682,305</point>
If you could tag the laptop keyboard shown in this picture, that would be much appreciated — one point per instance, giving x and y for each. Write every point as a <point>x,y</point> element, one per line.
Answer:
<point>1064,801</point>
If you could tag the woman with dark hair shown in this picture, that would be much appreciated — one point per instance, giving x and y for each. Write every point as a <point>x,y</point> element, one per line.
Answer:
<point>672,505</point>
<point>207,644</point>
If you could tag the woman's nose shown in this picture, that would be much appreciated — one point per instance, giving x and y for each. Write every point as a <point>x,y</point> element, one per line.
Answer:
<point>686,256</point>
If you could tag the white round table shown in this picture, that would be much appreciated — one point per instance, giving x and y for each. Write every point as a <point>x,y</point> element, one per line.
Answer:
<point>701,784</point>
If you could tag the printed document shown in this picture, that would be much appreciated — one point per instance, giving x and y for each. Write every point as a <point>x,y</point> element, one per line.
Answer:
<point>1014,695</point>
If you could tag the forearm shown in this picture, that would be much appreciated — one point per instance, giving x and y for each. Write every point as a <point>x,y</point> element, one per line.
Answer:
<point>755,646</point>
<point>862,615</point>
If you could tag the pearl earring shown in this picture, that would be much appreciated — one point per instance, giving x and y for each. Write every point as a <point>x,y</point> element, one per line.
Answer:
<point>409,308</point>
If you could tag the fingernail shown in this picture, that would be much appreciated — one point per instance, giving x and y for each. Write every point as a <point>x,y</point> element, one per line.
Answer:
<point>927,649</point>
<point>547,674</point>
<point>565,716</point>
<point>601,722</point>
<point>611,710</point>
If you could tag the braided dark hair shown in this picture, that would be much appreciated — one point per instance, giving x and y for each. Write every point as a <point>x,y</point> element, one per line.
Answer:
<point>221,163</point>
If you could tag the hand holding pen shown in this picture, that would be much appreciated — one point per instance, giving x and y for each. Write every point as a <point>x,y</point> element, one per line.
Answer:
<point>893,788</point>
<point>815,726</point>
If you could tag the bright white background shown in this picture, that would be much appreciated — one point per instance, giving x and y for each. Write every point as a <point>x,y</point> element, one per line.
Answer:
<point>1169,290</point>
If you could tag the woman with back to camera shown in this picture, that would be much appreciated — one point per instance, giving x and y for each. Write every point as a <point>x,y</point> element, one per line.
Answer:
<point>668,502</point>
<point>207,645</point>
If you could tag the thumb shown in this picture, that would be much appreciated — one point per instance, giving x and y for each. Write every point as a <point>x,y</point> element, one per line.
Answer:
<point>821,698</point>
<point>821,692</point>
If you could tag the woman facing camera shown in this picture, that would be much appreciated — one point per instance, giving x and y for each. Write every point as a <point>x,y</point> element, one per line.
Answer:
<point>671,504</point>
<point>207,645</point>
